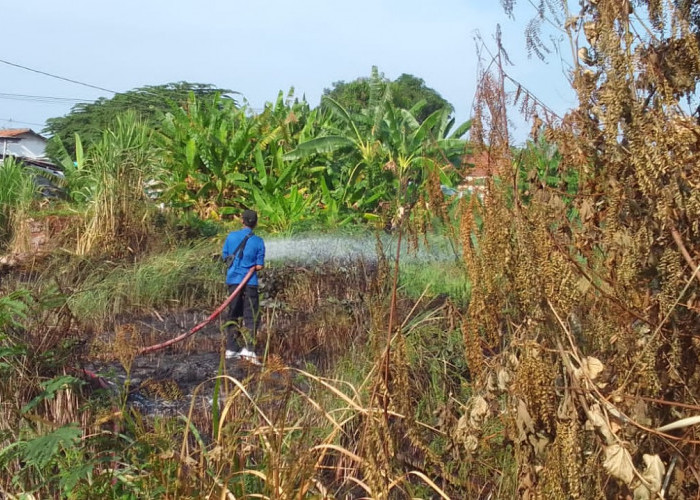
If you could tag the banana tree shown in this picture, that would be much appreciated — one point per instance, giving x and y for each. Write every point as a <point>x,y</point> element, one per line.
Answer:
<point>78,180</point>
<point>349,141</point>
<point>208,144</point>
<point>286,210</point>
<point>415,148</point>
<point>355,179</point>
<point>284,121</point>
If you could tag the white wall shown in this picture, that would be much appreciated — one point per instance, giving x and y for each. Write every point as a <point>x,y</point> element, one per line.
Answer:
<point>29,146</point>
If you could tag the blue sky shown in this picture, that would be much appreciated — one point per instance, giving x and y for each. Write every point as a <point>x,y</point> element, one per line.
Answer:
<point>256,48</point>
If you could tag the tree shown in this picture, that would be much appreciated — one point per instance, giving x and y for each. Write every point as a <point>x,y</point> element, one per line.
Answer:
<point>89,120</point>
<point>387,148</point>
<point>359,179</point>
<point>208,145</point>
<point>406,91</point>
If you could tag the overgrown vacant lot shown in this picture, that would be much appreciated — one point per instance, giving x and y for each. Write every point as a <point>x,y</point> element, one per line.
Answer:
<point>549,352</point>
<point>310,403</point>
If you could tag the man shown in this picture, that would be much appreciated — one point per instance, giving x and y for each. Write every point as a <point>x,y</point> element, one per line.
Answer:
<point>243,251</point>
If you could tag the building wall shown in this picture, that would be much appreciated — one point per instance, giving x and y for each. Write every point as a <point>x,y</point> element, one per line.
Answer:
<point>29,146</point>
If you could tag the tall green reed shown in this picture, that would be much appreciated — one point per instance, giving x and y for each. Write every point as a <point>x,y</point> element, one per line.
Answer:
<point>16,196</point>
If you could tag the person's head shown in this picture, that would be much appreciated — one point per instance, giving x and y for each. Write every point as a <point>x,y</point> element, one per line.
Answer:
<point>250,218</point>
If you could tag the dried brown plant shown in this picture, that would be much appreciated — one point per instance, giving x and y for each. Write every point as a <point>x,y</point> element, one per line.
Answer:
<point>595,293</point>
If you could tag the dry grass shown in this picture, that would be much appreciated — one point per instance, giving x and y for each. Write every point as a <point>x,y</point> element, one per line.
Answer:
<point>289,448</point>
<point>280,433</point>
<point>118,222</point>
<point>575,323</point>
<point>318,314</point>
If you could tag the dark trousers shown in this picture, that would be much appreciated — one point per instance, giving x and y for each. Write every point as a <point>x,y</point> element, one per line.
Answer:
<point>245,306</point>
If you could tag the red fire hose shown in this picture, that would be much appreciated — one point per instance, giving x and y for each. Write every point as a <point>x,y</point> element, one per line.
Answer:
<point>204,323</point>
<point>104,384</point>
<point>94,377</point>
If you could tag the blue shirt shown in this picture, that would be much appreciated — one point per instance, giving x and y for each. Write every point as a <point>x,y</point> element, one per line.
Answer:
<point>253,255</point>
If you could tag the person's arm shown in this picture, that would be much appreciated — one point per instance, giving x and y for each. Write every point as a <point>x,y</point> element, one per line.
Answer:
<point>260,257</point>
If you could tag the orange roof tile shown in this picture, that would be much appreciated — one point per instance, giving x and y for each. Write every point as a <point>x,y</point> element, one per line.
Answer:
<point>13,132</point>
<point>477,165</point>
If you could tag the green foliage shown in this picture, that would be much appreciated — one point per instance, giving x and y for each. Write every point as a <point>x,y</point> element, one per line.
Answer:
<point>435,279</point>
<point>183,276</point>
<point>220,158</point>
<point>50,388</point>
<point>282,211</point>
<point>80,182</point>
<point>189,226</point>
<point>41,450</point>
<point>13,308</point>
<point>112,180</point>
<point>382,152</point>
<point>356,179</point>
<point>89,120</point>
<point>208,144</point>
<point>50,461</point>
<point>539,168</point>
<point>441,372</point>
<point>406,91</point>
<point>17,193</point>
<point>332,213</point>
<point>417,150</point>
<point>279,192</point>
<point>36,452</point>
<point>353,95</point>
<point>286,121</point>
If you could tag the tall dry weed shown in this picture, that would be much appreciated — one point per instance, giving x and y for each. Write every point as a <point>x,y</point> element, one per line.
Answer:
<point>583,301</point>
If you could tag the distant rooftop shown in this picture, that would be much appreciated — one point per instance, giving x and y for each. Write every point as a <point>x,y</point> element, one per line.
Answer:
<point>477,165</point>
<point>14,132</point>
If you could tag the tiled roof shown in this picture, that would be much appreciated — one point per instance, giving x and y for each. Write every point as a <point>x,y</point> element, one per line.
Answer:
<point>477,165</point>
<point>13,132</point>
<point>477,173</point>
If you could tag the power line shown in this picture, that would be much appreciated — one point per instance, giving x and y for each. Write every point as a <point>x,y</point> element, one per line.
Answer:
<point>11,121</point>
<point>57,77</point>
<point>42,98</point>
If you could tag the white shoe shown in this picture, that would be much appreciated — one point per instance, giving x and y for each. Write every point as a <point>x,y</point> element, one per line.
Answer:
<point>232,354</point>
<point>249,356</point>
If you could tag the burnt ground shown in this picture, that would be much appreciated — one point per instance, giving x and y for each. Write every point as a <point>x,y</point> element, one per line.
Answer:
<point>311,316</point>
<point>168,382</point>
<point>308,316</point>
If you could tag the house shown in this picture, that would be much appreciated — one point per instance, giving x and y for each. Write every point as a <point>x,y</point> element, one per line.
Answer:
<point>28,148</point>
<point>22,143</point>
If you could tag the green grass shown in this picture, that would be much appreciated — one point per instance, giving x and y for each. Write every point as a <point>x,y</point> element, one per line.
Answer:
<point>179,278</point>
<point>438,278</point>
